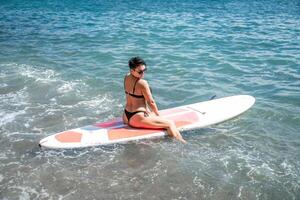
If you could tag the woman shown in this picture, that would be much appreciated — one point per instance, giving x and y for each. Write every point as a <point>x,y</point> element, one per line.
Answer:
<point>139,98</point>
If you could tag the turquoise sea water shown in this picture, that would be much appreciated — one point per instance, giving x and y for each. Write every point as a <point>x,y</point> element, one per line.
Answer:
<point>62,65</point>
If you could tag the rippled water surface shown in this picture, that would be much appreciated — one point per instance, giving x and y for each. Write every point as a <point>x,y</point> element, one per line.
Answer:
<point>62,65</point>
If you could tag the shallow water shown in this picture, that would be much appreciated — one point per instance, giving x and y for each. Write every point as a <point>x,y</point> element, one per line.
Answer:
<point>62,66</point>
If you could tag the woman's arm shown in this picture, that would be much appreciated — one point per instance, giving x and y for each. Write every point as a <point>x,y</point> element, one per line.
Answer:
<point>148,97</point>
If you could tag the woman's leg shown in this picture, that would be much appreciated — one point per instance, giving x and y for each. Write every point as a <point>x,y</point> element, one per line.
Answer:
<point>139,120</point>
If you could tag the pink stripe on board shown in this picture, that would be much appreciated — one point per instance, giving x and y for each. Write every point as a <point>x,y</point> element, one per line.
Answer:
<point>109,124</point>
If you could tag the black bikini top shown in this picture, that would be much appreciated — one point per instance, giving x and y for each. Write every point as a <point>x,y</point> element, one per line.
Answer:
<point>132,94</point>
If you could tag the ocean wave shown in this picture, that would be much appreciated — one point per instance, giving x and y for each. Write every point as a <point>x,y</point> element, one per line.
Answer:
<point>48,101</point>
<point>62,66</point>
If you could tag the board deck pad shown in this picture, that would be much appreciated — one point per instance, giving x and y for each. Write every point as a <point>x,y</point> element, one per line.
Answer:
<point>187,117</point>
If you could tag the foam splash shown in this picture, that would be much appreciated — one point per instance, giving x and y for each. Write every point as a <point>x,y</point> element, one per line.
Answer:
<point>9,117</point>
<point>37,73</point>
<point>26,192</point>
<point>67,87</point>
<point>71,103</point>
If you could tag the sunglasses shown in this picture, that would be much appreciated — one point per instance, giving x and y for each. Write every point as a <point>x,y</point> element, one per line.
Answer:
<point>142,71</point>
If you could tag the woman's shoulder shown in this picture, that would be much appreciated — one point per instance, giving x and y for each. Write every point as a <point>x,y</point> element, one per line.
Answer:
<point>143,83</point>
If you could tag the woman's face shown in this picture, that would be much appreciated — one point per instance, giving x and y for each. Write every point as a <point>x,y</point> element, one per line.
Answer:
<point>139,72</point>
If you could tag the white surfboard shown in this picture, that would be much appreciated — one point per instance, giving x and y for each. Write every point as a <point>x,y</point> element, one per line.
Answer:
<point>186,117</point>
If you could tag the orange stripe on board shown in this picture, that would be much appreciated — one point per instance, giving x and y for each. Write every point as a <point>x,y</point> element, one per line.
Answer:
<point>184,119</point>
<point>181,123</point>
<point>121,133</point>
<point>69,137</point>
<point>112,123</point>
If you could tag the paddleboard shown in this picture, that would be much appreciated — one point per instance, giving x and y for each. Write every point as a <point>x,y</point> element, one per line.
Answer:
<point>186,117</point>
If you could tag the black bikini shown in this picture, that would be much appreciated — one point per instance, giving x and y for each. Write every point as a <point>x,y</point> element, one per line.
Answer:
<point>132,94</point>
<point>130,114</point>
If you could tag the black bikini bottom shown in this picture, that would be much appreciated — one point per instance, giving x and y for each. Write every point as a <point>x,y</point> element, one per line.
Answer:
<point>130,114</point>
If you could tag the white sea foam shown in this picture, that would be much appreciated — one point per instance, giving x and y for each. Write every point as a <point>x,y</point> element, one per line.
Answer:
<point>26,192</point>
<point>199,182</point>
<point>29,71</point>
<point>3,85</point>
<point>68,87</point>
<point>37,73</point>
<point>9,117</point>
<point>96,101</point>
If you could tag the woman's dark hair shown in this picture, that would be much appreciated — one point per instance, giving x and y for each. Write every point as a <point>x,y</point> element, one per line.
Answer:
<point>135,62</point>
